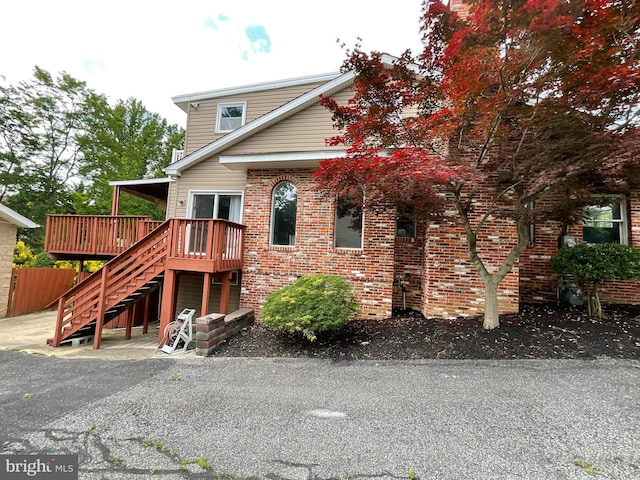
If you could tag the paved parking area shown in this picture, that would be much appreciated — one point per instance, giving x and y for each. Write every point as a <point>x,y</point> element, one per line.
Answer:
<point>309,419</point>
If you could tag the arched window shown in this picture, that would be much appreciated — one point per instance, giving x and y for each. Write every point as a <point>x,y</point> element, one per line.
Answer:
<point>284,206</point>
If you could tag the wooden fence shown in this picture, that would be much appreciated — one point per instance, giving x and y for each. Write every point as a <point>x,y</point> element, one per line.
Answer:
<point>33,289</point>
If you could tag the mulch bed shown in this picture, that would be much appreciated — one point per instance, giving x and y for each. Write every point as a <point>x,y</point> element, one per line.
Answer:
<point>537,332</point>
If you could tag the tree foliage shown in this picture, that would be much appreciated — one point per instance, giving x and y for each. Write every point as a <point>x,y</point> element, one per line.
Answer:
<point>520,101</point>
<point>61,143</point>
<point>594,264</point>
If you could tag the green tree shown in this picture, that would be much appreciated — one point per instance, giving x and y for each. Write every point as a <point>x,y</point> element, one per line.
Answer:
<point>52,116</point>
<point>123,142</point>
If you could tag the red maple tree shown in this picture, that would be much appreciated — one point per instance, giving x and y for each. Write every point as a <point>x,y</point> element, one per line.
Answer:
<point>518,102</point>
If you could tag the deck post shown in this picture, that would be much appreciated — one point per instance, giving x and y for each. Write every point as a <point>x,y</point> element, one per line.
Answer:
<point>130,312</point>
<point>225,292</point>
<point>206,293</point>
<point>102,300</point>
<point>168,301</point>
<point>116,200</point>
<point>145,320</point>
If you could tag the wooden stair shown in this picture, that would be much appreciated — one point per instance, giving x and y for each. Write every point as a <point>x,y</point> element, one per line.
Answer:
<point>120,284</point>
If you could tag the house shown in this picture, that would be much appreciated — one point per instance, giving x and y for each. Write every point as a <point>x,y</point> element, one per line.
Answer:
<point>10,221</point>
<point>244,218</point>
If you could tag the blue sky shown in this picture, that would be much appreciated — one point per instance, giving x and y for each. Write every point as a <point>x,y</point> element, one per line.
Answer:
<point>153,50</point>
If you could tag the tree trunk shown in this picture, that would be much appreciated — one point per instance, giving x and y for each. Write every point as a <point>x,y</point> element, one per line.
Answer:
<point>491,318</point>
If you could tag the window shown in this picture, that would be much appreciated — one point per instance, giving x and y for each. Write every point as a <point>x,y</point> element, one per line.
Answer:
<point>606,221</point>
<point>284,206</point>
<point>217,205</point>
<point>348,224</point>
<point>230,116</point>
<point>405,222</point>
<point>211,205</point>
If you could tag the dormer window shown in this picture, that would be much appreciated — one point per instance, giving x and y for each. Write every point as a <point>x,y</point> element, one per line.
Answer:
<point>230,116</point>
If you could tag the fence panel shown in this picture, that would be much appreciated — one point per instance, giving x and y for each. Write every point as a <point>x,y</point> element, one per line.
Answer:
<point>32,289</point>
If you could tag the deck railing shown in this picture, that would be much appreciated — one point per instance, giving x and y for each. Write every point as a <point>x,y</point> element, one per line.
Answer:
<point>99,235</point>
<point>218,241</point>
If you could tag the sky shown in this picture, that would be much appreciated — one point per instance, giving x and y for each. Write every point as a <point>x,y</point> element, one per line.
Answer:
<point>155,50</point>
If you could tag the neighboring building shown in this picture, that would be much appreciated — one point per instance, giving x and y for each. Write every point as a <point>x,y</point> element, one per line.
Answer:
<point>10,221</point>
<point>249,156</point>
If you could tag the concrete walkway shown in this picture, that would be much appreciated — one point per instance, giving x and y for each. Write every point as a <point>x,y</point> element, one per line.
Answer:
<point>29,333</point>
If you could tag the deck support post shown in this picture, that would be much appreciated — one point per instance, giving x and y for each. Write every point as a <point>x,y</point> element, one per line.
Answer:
<point>225,292</point>
<point>116,200</point>
<point>145,320</point>
<point>102,300</point>
<point>130,313</point>
<point>206,293</point>
<point>168,301</point>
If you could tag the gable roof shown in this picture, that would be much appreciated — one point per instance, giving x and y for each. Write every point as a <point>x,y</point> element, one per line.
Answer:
<point>15,218</point>
<point>305,100</point>
<point>183,101</point>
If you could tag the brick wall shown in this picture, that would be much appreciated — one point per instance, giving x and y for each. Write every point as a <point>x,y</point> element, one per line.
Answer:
<point>409,270</point>
<point>267,268</point>
<point>537,280</point>
<point>7,243</point>
<point>452,285</point>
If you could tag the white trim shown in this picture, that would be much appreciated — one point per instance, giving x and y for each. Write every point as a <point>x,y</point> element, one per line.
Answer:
<point>192,193</point>
<point>142,181</point>
<point>623,222</point>
<point>281,157</point>
<point>251,88</point>
<point>288,109</point>
<point>230,104</point>
<point>15,218</point>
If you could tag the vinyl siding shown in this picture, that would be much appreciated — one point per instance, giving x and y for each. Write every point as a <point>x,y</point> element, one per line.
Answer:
<point>307,130</point>
<point>201,123</point>
<point>206,175</point>
<point>190,295</point>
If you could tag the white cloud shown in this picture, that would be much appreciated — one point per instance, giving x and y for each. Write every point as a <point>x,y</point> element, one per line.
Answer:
<point>153,50</point>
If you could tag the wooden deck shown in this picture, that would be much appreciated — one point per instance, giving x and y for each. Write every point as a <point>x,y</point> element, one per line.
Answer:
<point>71,237</point>
<point>177,245</point>
<point>197,245</point>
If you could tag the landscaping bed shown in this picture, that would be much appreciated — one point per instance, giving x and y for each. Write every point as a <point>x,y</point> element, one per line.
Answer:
<point>538,331</point>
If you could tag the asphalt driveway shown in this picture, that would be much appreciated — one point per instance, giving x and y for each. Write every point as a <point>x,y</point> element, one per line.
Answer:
<point>306,419</point>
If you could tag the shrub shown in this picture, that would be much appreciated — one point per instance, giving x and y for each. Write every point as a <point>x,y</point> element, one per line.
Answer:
<point>592,264</point>
<point>22,256</point>
<point>312,304</point>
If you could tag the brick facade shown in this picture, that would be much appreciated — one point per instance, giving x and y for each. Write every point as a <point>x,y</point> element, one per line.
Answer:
<point>267,268</point>
<point>7,243</point>
<point>538,283</point>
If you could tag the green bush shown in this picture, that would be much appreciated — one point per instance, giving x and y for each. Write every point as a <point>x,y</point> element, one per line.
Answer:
<point>312,304</point>
<point>592,264</point>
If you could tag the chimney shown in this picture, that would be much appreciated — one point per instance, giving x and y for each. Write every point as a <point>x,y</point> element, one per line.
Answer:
<point>461,7</point>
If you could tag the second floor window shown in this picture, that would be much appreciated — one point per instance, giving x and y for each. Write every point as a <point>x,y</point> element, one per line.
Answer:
<point>284,208</point>
<point>230,116</point>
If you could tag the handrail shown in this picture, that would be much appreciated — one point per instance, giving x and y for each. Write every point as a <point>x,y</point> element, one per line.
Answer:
<point>218,240</point>
<point>91,296</point>
<point>95,234</point>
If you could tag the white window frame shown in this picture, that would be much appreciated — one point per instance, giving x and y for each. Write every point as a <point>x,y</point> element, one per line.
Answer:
<point>623,222</point>
<point>221,106</point>
<point>194,193</point>
<point>190,203</point>
<point>335,225</point>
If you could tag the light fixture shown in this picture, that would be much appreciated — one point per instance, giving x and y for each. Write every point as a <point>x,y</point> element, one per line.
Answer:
<point>194,105</point>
